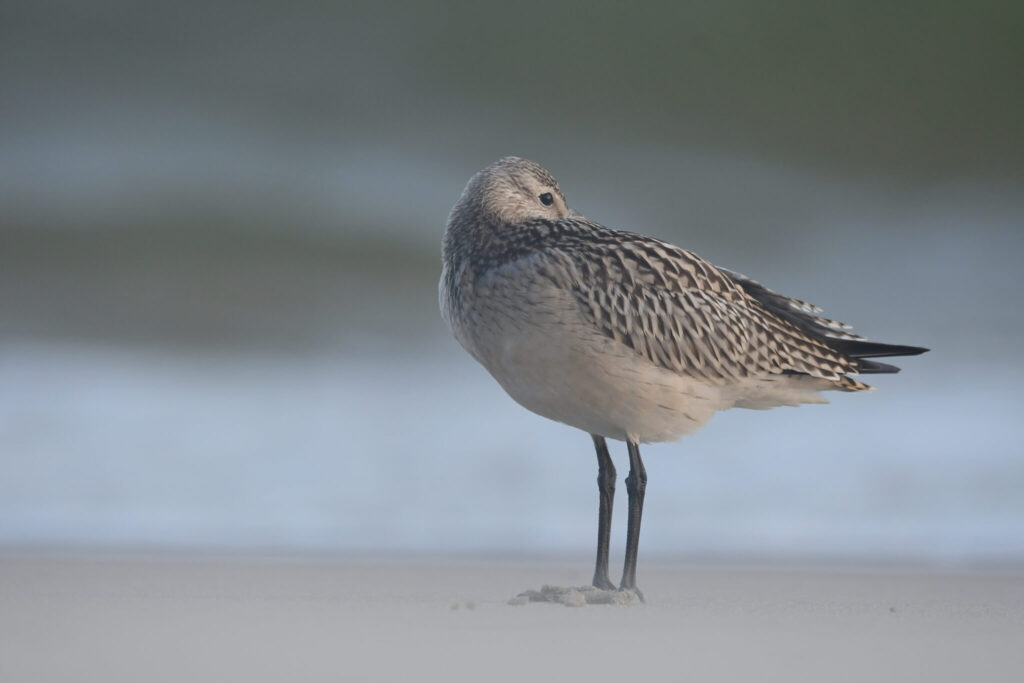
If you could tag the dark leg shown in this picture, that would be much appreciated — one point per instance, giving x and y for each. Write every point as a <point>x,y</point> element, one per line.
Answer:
<point>636,484</point>
<point>606,489</point>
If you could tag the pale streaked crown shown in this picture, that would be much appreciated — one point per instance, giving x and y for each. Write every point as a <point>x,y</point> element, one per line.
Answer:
<point>513,190</point>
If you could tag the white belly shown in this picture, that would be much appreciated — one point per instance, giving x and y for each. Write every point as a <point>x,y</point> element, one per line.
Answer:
<point>556,364</point>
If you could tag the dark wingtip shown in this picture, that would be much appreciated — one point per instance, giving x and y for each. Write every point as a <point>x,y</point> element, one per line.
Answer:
<point>856,348</point>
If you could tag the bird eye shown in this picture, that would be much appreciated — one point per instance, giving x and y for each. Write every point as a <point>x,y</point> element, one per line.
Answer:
<point>546,199</point>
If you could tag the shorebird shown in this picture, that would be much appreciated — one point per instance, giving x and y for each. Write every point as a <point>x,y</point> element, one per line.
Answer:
<point>625,336</point>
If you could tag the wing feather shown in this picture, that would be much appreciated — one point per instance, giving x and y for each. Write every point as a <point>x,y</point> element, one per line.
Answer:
<point>682,313</point>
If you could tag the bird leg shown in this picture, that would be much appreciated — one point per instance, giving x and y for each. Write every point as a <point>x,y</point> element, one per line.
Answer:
<point>606,490</point>
<point>603,592</point>
<point>636,484</point>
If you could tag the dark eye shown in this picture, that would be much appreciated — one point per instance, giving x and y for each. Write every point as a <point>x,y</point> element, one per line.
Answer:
<point>546,199</point>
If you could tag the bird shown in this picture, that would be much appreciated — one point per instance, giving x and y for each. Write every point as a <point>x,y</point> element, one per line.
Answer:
<point>625,336</point>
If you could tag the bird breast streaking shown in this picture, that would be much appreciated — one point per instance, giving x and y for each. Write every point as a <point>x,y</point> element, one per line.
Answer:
<point>622,335</point>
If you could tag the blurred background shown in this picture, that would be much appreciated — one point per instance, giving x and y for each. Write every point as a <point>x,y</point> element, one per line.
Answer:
<point>220,236</point>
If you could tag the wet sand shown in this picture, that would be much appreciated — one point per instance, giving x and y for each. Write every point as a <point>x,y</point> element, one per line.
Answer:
<point>104,618</point>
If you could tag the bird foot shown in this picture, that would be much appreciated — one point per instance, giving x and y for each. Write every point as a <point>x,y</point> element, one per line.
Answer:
<point>578,597</point>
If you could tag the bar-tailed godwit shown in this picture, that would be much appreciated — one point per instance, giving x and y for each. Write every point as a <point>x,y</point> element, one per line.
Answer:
<point>625,336</point>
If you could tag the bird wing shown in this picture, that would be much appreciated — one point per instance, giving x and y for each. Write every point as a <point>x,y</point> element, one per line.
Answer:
<point>682,313</point>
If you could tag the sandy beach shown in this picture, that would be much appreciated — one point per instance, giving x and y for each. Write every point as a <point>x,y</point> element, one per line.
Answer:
<point>105,618</point>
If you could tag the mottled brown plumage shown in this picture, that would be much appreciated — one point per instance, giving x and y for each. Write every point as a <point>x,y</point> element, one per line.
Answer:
<point>672,307</point>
